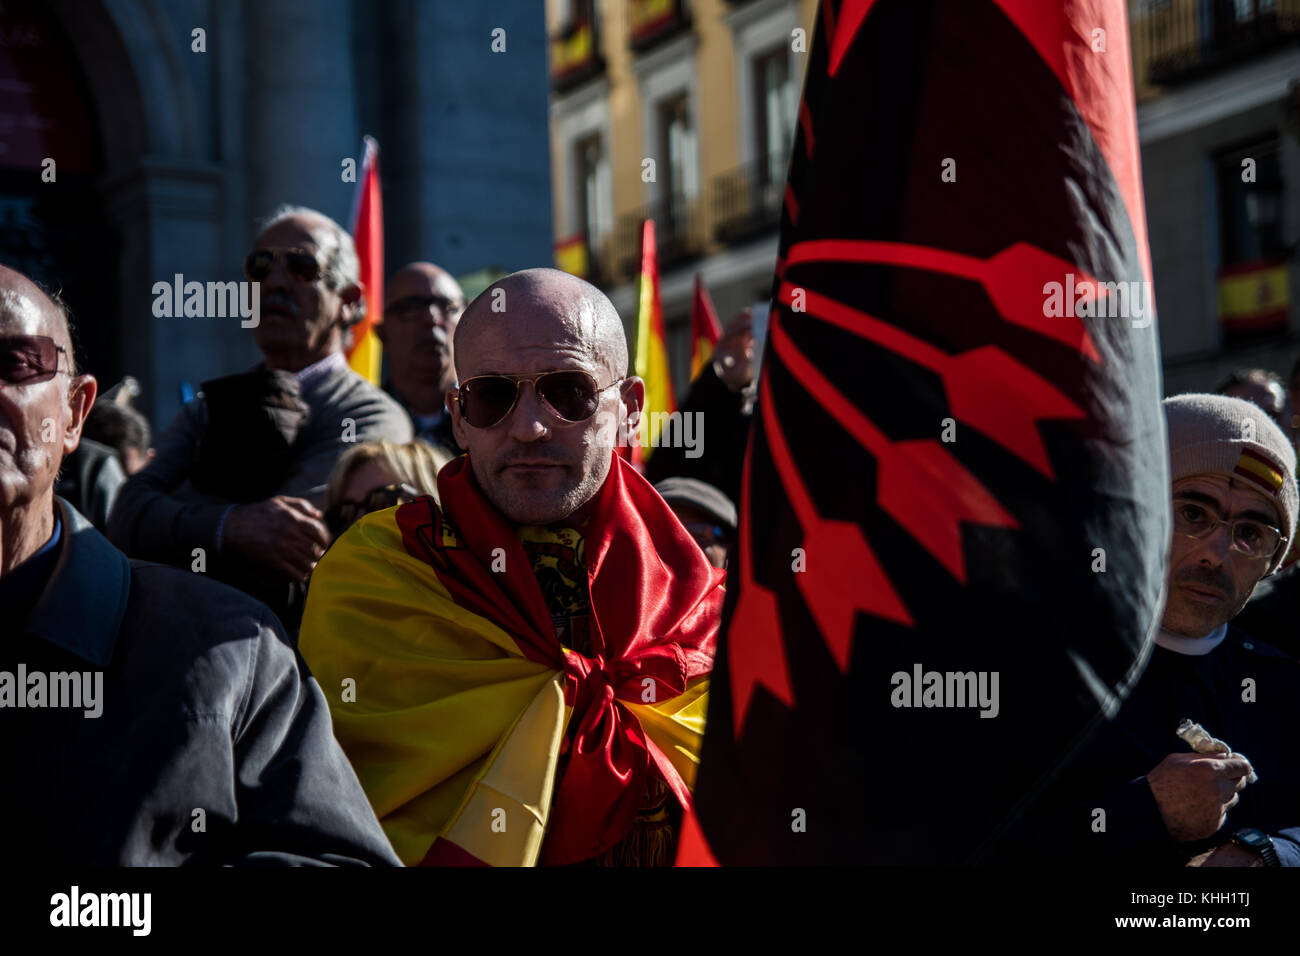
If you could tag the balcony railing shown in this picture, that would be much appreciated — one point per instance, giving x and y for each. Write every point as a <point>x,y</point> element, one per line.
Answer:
<point>746,202</point>
<point>679,235</point>
<point>1181,40</point>
<point>575,55</point>
<point>650,22</point>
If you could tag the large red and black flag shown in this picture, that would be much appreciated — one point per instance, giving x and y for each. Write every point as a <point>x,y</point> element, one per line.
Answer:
<point>955,503</point>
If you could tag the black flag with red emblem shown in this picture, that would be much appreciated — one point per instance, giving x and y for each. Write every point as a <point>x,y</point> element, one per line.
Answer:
<point>954,517</point>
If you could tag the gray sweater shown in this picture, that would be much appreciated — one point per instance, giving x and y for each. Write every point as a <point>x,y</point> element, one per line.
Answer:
<point>159,516</point>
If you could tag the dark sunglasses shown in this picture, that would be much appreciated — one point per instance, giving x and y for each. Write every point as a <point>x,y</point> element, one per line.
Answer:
<point>571,395</point>
<point>341,517</point>
<point>29,359</point>
<point>416,306</point>
<point>302,265</point>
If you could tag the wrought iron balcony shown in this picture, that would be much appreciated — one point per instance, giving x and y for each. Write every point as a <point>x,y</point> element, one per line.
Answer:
<point>1181,40</point>
<point>746,201</point>
<point>679,235</point>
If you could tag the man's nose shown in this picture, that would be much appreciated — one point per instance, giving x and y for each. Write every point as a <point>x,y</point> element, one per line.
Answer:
<point>1216,545</point>
<point>530,420</point>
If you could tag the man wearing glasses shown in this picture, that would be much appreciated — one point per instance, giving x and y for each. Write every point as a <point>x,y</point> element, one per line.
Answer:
<point>1137,794</point>
<point>241,472</point>
<point>525,666</point>
<point>187,729</point>
<point>422,304</point>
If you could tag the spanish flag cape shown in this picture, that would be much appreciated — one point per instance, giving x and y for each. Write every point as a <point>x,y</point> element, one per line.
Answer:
<point>463,694</point>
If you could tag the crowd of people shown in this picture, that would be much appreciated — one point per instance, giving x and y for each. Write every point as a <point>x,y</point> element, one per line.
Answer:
<point>445,620</point>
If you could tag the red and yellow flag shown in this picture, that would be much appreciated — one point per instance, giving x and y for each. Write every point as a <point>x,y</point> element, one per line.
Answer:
<point>368,234</point>
<point>705,330</point>
<point>651,346</point>
<point>456,702</point>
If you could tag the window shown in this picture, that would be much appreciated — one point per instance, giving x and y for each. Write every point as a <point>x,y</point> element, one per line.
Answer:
<point>591,180</point>
<point>1250,213</point>
<point>678,174</point>
<point>776,106</point>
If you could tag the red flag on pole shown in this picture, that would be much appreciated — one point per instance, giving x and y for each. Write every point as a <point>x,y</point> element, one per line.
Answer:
<point>368,234</point>
<point>916,634</point>
<point>705,330</point>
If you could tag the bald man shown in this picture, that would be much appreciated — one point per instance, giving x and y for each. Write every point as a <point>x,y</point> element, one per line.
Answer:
<point>526,665</point>
<point>422,304</point>
<point>150,716</point>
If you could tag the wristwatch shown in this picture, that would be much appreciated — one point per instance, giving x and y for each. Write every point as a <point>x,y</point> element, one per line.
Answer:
<point>1259,843</point>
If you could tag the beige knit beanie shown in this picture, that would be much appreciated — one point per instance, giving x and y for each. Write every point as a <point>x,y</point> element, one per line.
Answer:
<point>1220,435</point>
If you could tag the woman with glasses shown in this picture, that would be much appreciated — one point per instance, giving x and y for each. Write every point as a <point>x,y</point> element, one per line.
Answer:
<point>378,475</point>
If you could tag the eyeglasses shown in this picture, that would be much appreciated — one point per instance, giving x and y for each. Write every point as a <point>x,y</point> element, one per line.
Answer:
<point>341,517</point>
<point>416,306</point>
<point>302,265</point>
<point>571,395</point>
<point>29,359</point>
<point>704,532</point>
<point>1253,538</point>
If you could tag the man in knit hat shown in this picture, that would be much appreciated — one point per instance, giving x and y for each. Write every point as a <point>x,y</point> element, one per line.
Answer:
<point>1136,793</point>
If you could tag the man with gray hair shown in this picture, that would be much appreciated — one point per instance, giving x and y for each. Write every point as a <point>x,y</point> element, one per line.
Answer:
<point>238,479</point>
<point>148,716</point>
<point>1135,795</point>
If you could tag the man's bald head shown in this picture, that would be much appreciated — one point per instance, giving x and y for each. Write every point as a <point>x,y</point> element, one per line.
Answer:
<point>20,296</point>
<point>577,305</point>
<point>42,409</point>
<point>419,277</point>
<point>534,465</point>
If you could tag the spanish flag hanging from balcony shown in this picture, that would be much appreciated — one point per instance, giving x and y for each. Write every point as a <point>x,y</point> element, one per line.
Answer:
<point>955,506</point>
<point>368,233</point>
<point>705,330</point>
<point>651,345</point>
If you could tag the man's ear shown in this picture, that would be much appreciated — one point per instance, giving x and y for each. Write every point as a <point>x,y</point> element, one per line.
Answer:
<point>351,296</point>
<point>81,396</point>
<point>633,398</point>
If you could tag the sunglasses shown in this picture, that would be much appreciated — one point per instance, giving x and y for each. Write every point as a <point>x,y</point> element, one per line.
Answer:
<point>417,306</point>
<point>29,359</point>
<point>342,516</point>
<point>302,265</point>
<point>571,396</point>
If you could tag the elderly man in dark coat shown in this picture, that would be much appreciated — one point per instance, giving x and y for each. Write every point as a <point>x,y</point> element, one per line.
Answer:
<point>149,716</point>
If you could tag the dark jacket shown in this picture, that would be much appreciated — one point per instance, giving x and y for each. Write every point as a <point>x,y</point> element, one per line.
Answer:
<point>722,413</point>
<point>161,516</point>
<point>90,480</point>
<point>1110,772</point>
<point>1273,612</point>
<point>214,743</point>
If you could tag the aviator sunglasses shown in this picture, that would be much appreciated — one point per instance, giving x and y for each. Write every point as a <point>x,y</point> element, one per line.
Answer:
<point>29,359</point>
<point>571,395</point>
<point>302,265</point>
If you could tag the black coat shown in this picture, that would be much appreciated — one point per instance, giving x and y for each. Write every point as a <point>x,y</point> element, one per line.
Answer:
<point>213,745</point>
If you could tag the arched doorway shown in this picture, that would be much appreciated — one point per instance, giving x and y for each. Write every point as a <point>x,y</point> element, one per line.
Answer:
<point>52,225</point>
